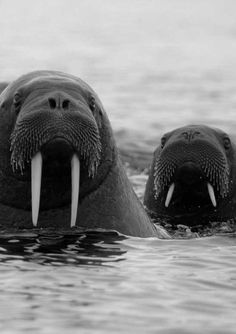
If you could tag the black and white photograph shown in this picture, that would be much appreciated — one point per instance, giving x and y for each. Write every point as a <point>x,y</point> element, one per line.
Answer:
<point>118,167</point>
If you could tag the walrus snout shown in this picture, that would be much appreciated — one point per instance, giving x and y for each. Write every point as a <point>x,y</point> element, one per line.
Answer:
<point>189,173</point>
<point>193,183</point>
<point>57,149</point>
<point>38,124</point>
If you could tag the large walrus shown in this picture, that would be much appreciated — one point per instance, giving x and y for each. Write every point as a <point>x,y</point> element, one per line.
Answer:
<point>193,176</point>
<point>58,158</point>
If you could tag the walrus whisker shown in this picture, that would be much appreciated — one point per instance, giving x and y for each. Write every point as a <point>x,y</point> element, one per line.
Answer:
<point>215,169</point>
<point>82,134</point>
<point>75,178</point>
<point>36,176</point>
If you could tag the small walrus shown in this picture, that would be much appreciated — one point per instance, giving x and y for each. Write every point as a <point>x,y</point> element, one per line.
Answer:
<point>193,176</point>
<point>59,160</point>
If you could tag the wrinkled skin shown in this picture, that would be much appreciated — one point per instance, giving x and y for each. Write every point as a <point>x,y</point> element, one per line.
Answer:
<point>188,161</point>
<point>59,115</point>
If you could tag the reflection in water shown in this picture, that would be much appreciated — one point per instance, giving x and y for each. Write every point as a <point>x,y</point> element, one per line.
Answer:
<point>51,248</point>
<point>99,283</point>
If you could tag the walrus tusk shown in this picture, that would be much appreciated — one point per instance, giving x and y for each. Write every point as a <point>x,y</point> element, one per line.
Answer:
<point>36,175</point>
<point>211,194</point>
<point>75,177</point>
<point>169,195</point>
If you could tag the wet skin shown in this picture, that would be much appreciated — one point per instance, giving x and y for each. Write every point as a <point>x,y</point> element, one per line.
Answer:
<point>54,125</point>
<point>192,178</point>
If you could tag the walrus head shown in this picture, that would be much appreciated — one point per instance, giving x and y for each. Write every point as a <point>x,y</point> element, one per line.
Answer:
<point>191,174</point>
<point>51,126</point>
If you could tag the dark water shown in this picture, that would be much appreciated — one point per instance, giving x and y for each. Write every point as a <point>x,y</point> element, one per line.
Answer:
<point>156,65</point>
<point>105,283</point>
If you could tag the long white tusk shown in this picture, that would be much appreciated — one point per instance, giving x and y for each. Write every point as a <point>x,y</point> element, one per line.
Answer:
<point>169,195</point>
<point>211,194</point>
<point>36,175</point>
<point>75,177</point>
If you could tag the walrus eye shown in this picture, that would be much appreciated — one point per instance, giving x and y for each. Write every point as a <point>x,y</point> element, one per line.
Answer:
<point>92,104</point>
<point>227,143</point>
<point>163,141</point>
<point>17,102</point>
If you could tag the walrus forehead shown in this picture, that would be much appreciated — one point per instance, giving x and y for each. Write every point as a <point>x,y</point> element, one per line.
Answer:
<point>43,82</point>
<point>38,99</point>
<point>43,88</point>
<point>204,134</point>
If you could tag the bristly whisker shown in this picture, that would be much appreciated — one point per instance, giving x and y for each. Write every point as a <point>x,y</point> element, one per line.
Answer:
<point>216,170</point>
<point>28,138</point>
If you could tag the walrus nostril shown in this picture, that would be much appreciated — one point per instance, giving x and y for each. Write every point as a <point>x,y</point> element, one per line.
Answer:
<point>190,135</point>
<point>65,104</point>
<point>57,103</point>
<point>52,103</point>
